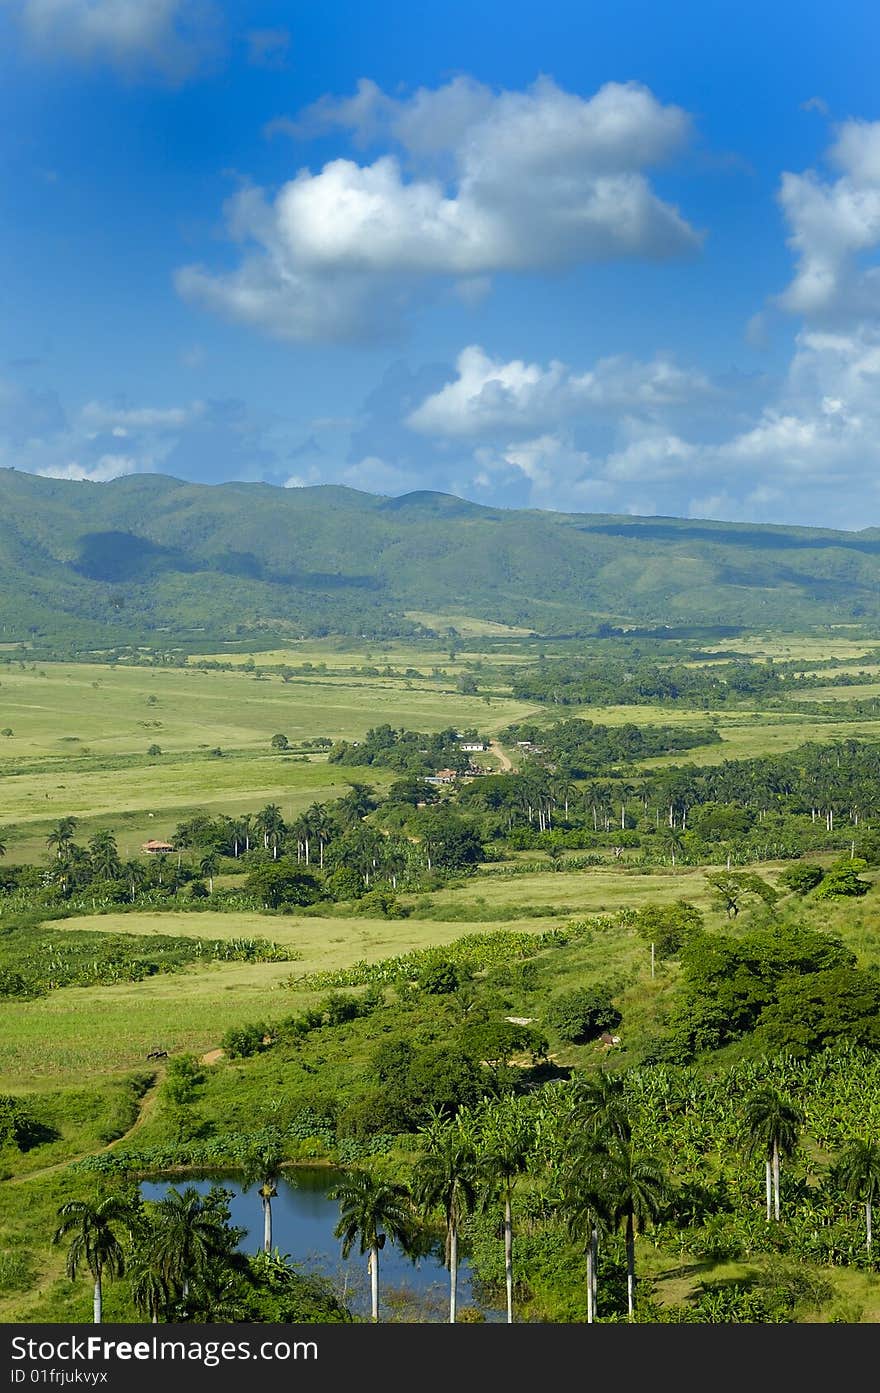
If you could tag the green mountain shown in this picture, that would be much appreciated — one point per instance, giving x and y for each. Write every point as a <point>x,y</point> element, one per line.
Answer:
<point>148,555</point>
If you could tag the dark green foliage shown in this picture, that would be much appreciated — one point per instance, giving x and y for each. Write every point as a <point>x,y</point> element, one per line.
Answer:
<point>241,1041</point>
<point>17,1126</point>
<point>283,882</point>
<point>802,877</point>
<point>582,1013</point>
<point>440,977</point>
<point>728,982</point>
<point>668,927</point>
<point>277,1292</point>
<point>820,1008</point>
<point>842,879</point>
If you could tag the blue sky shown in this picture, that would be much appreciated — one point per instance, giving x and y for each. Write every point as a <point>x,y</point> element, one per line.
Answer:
<point>618,257</point>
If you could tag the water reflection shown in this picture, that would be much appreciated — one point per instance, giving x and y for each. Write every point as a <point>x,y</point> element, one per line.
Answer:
<point>303,1219</point>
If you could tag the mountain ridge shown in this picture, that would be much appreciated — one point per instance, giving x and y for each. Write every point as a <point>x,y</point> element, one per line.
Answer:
<point>148,552</point>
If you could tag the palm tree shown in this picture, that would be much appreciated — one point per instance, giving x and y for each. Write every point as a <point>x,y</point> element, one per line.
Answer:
<point>322,828</point>
<point>135,874</point>
<point>584,1206</point>
<point>150,1290</point>
<point>263,1164</point>
<point>270,823</point>
<point>772,1126</point>
<point>61,835</point>
<point>208,866</point>
<point>191,1236</point>
<point>858,1172</point>
<point>637,1188</point>
<point>446,1175</point>
<point>94,1243</point>
<point>301,831</point>
<point>673,841</point>
<point>505,1144</point>
<point>105,855</point>
<point>369,1209</point>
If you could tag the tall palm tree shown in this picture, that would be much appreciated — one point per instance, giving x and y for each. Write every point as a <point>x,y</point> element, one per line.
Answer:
<point>322,828</point>
<point>637,1189</point>
<point>263,1165</point>
<point>94,1243</point>
<point>446,1175</point>
<point>150,1289</point>
<point>370,1209</point>
<point>505,1144</point>
<point>104,855</point>
<point>61,836</point>
<point>584,1204</point>
<point>208,867</point>
<point>301,831</point>
<point>135,875</point>
<point>269,822</point>
<point>858,1172</point>
<point>772,1126</point>
<point>191,1235</point>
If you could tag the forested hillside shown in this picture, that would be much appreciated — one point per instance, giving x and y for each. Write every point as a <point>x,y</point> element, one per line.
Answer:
<point>148,553</point>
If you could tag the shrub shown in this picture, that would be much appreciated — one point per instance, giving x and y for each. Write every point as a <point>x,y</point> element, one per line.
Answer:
<point>241,1041</point>
<point>582,1013</point>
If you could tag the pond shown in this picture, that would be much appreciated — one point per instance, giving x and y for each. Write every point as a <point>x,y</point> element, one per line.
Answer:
<point>303,1219</point>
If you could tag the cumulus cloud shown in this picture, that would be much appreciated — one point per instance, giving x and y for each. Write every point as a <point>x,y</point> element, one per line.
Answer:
<point>105,468</point>
<point>835,226</point>
<point>173,37</point>
<point>489,395</point>
<point>528,181</point>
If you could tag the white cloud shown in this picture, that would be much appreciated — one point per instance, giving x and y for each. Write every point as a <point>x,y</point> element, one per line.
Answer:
<point>173,37</point>
<point>535,180</point>
<point>834,225</point>
<point>106,468</point>
<point>489,395</point>
<point>102,416</point>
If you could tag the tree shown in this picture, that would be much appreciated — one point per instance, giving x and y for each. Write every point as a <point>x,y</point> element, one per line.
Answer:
<point>732,887</point>
<point>857,1171</point>
<point>446,1176</point>
<point>637,1188</point>
<point>208,866</point>
<point>61,836</point>
<point>505,1143</point>
<point>583,1203</point>
<point>262,1166</point>
<point>582,1013</point>
<point>802,877</point>
<point>666,927</point>
<point>105,855</point>
<point>154,750</point>
<point>94,1243</point>
<point>280,742</point>
<point>322,828</point>
<point>191,1237</point>
<point>370,1209</point>
<point>842,879</point>
<point>772,1126</point>
<point>270,824</point>
<point>282,882</point>
<point>150,1290</point>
